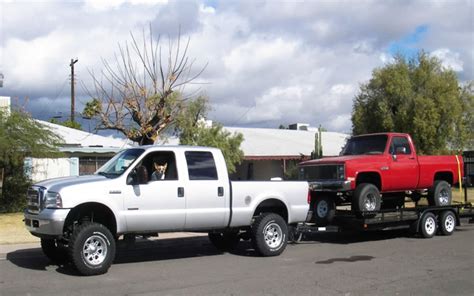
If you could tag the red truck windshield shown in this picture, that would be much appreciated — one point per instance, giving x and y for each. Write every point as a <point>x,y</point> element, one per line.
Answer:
<point>374,144</point>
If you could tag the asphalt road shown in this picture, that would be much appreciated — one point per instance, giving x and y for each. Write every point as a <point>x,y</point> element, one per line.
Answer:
<point>380,263</point>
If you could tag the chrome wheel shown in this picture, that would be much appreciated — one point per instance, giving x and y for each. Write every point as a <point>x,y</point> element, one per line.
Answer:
<point>443,197</point>
<point>94,250</point>
<point>430,225</point>
<point>370,202</point>
<point>322,209</point>
<point>449,223</point>
<point>273,235</point>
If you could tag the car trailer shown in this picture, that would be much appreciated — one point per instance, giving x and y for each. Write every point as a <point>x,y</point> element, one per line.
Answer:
<point>424,220</point>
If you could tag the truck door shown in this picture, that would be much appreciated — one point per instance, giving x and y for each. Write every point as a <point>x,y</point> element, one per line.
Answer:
<point>206,192</point>
<point>403,171</point>
<point>158,203</point>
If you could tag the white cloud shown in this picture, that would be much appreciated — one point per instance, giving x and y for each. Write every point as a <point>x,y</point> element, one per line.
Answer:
<point>449,59</point>
<point>269,63</point>
<point>340,123</point>
<point>103,5</point>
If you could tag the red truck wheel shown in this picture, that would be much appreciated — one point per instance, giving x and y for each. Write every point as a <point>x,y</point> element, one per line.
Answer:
<point>440,194</point>
<point>366,199</point>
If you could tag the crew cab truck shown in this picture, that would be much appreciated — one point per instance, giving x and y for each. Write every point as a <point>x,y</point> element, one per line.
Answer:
<point>377,171</point>
<point>79,219</point>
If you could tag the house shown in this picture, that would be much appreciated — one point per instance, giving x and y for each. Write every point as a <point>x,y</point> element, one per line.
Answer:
<point>83,154</point>
<point>274,153</point>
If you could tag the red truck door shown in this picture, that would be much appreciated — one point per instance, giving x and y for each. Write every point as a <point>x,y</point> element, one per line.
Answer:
<point>403,171</point>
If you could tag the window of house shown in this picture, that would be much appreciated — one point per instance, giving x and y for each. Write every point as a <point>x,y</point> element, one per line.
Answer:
<point>88,165</point>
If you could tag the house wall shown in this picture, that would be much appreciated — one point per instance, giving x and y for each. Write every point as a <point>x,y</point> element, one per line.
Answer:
<point>46,168</point>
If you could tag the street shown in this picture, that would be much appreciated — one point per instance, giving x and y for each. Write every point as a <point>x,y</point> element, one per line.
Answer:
<point>378,263</point>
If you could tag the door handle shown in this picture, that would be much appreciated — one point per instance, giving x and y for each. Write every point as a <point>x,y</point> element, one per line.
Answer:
<point>180,191</point>
<point>220,191</point>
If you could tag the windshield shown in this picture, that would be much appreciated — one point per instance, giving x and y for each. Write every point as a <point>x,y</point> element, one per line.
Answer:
<point>119,163</point>
<point>365,145</point>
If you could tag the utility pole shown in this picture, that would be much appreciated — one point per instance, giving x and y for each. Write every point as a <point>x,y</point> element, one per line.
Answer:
<point>73,99</point>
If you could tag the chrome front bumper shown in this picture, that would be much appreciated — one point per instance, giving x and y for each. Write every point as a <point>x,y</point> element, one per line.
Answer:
<point>49,222</point>
<point>330,186</point>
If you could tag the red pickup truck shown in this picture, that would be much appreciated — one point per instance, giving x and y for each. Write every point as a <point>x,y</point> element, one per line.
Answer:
<point>377,171</point>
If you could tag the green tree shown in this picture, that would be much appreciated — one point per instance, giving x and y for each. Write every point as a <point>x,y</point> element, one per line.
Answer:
<point>141,92</point>
<point>192,130</point>
<point>21,136</point>
<point>417,96</point>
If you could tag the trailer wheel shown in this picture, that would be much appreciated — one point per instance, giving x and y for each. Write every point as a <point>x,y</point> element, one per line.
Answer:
<point>92,249</point>
<point>324,209</point>
<point>447,223</point>
<point>54,250</point>
<point>224,241</point>
<point>366,199</point>
<point>428,225</point>
<point>269,234</point>
<point>440,194</point>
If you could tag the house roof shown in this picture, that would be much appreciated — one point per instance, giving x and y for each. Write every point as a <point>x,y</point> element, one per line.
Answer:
<point>264,143</point>
<point>81,141</point>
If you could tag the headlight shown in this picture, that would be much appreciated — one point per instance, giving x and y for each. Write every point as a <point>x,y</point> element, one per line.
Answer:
<point>341,173</point>
<point>52,200</point>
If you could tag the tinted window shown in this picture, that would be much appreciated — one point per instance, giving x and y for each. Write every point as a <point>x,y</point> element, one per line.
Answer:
<point>201,165</point>
<point>400,142</point>
<point>365,145</point>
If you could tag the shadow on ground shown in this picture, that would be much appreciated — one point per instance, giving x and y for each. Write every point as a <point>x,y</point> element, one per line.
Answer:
<point>141,251</point>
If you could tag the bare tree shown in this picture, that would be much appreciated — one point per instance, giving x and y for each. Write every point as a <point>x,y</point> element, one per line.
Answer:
<point>140,94</point>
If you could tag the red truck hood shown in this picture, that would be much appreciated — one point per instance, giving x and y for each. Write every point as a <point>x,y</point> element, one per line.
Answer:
<point>340,159</point>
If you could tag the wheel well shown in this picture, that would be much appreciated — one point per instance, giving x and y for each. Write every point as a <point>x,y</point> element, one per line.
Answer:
<point>444,176</point>
<point>272,206</point>
<point>93,212</point>
<point>372,178</point>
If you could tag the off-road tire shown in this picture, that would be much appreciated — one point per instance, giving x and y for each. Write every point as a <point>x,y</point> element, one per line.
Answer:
<point>440,194</point>
<point>428,225</point>
<point>92,249</point>
<point>54,250</point>
<point>324,210</point>
<point>366,201</point>
<point>224,241</point>
<point>269,234</point>
<point>447,223</point>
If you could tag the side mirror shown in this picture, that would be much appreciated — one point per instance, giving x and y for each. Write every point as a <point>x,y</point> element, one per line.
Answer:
<point>142,175</point>
<point>401,150</point>
<point>132,178</point>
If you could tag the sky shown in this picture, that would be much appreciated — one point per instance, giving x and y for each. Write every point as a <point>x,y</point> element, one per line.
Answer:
<point>268,62</point>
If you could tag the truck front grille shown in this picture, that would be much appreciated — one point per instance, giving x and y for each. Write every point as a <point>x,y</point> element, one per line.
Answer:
<point>322,172</point>
<point>34,197</point>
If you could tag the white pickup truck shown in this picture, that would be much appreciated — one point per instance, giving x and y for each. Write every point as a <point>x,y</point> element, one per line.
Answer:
<point>79,219</point>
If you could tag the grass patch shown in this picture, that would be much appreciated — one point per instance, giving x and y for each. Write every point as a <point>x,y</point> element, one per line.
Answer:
<point>13,231</point>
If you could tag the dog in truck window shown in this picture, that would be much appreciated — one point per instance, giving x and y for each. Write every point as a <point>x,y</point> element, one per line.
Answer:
<point>160,169</point>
